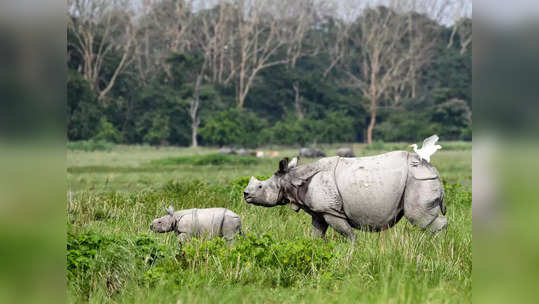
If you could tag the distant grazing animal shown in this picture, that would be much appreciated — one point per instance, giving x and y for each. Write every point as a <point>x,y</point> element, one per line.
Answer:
<point>429,147</point>
<point>242,152</point>
<point>225,150</point>
<point>370,193</point>
<point>273,154</point>
<point>345,152</point>
<point>211,222</point>
<point>311,153</point>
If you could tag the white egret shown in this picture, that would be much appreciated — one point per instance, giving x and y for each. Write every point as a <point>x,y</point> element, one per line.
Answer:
<point>429,147</point>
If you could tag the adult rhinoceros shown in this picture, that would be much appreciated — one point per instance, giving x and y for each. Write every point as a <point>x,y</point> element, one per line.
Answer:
<point>370,193</point>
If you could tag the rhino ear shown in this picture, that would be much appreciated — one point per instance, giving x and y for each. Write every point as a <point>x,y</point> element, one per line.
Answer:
<point>283,165</point>
<point>293,163</point>
<point>170,210</point>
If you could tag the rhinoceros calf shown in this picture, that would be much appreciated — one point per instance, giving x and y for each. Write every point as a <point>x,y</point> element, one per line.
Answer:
<point>370,193</point>
<point>189,223</point>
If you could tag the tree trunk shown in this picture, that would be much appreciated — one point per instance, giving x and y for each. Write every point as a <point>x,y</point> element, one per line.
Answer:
<point>195,103</point>
<point>373,95</point>
<point>299,108</point>
<point>194,133</point>
<point>371,125</point>
<point>372,121</point>
<point>241,99</point>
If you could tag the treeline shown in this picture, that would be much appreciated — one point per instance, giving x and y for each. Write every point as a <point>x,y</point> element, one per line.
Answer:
<point>252,72</point>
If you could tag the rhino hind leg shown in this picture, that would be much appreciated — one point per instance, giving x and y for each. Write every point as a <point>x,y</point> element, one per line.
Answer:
<point>231,227</point>
<point>423,201</point>
<point>340,225</point>
<point>320,226</point>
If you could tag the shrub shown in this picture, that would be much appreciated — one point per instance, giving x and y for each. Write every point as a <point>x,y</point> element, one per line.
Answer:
<point>283,262</point>
<point>334,127</point>
<point>233,127</point>
<point>376,145</point>
<point>242,182</point>
<point>107,132</point>
<point>111,260</point>
<point>208,159</point>
<point>158,132</point>
<point>178,189</point>
<point>90,145</point>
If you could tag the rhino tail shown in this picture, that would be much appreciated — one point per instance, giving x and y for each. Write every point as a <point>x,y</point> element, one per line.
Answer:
<point>442,203</point>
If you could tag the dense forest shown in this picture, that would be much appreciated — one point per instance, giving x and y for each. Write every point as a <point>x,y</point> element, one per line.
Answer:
<point>249,73</point>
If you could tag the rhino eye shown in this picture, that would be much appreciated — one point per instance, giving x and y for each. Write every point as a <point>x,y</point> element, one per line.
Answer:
<point>259,187</point>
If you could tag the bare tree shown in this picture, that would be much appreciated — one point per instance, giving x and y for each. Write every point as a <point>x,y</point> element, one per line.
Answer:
<point>165,29</point>
<point>338,27</point>
<point>389,46</point>
<point>260,37</point>
<point>203,36</point>
<point>462,24</point>
<point>102,28</point>
<point>422,38</point>
<point>299,18</point>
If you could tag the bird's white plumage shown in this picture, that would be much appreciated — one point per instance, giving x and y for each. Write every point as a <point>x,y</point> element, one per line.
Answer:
<point>429,147</point>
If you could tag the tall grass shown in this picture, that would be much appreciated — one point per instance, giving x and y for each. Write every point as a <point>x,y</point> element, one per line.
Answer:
<point>112,256</point>
<point>208,159</point>
<point>90,145</point>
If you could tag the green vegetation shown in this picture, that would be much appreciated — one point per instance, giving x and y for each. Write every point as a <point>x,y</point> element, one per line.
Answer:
<point>312,100</point>
<point>112,256</point>
<point>90,145</point>
<point>208,159</point>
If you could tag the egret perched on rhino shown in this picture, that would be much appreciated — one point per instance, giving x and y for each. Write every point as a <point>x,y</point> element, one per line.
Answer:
<point>429,147</point>
<point>370,193</point>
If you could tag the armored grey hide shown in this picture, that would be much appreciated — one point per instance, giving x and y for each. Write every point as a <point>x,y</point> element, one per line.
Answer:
<point>209,222</point>
<point>370,193</point>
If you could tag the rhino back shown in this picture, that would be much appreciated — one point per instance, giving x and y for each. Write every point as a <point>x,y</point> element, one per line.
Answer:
<point>372,187</point>
<point>204,221</point>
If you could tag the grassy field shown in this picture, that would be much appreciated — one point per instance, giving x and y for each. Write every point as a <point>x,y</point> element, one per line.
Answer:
<point>112,256</point>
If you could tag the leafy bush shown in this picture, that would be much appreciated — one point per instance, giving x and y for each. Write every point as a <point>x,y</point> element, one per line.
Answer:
<point>376,145</point>
<point>334,127</point>
<point>176,189</point>
<point>83,108</point>
<point>455,194</point>
<point>90,145</point>
<point>242,182</point>
<point>208,159</point>
<point>94,258</point>
<point>284,261</point>
<point>233,127</point>
<point>107,132</point>
<point>111,262</point>
<point>158,132</point>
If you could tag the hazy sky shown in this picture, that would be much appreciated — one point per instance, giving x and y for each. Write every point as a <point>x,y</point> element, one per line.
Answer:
<point>350,8</point>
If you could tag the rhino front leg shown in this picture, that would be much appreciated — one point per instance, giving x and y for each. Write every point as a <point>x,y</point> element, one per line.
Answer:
<point>183,237</point>
<point>341,225</point>
<point>320,226</point>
